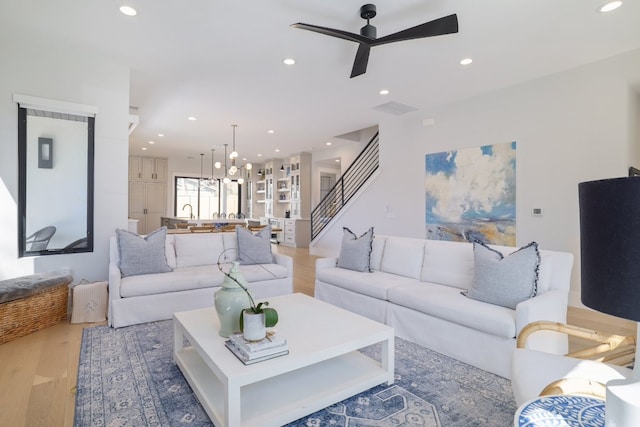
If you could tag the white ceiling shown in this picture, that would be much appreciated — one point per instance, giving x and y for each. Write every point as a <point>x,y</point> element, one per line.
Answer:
<point>221,61</point>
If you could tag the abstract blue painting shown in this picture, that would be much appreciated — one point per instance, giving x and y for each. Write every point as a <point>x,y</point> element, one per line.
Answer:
<point>471,195</point>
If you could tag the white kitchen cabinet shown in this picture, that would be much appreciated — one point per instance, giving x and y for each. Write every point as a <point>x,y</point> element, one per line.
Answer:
<point>296,232</point>
<point>146,204</point>
<point>148,169</point>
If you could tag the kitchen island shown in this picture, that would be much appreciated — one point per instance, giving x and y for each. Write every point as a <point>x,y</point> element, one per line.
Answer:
<point>172,222</point>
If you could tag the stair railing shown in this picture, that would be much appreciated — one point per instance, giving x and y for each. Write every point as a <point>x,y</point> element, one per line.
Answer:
<point>346,187</point>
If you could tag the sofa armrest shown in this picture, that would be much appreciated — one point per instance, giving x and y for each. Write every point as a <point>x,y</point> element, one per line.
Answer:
<point>550,306</point>
<point>114,281</point>
<point>115,277</point>
<point>285,261</point>
<point>323,263</point>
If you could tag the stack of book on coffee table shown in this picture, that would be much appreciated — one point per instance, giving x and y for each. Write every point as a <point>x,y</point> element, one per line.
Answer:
<point>250,352</point>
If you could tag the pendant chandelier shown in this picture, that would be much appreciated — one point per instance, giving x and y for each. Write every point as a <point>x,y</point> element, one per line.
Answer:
<point>211,180</point>
<point>234,155</point>
<point>226,179</point>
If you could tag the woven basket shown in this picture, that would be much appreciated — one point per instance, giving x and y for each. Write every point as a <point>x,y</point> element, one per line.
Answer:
<point>38,311</point>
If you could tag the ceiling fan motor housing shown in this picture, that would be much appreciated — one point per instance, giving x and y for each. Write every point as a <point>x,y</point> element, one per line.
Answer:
<point>367,12</point>
<point>368,31</point>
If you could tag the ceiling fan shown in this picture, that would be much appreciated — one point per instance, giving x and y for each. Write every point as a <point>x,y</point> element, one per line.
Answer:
<point>367,37</point>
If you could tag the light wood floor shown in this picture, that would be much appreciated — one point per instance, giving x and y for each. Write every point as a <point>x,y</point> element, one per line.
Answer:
<point>38,372</point>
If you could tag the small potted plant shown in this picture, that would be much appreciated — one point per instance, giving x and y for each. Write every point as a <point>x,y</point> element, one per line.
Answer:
<point>255,320</point>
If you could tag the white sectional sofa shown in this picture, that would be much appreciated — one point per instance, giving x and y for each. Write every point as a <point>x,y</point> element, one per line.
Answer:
<point>193,280</point>
<point>416,287</point>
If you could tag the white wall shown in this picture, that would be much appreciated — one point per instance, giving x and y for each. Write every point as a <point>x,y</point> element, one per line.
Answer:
<point>322,161</point>
<point>48,71</point>
<point>570,127</point>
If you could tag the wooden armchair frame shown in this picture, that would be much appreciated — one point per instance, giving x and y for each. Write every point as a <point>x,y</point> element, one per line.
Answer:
<point>609,348</point>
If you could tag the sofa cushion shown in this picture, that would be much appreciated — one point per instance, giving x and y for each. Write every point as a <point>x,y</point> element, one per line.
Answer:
<point>355,251</point>
<point>447,303</point>
<point>254,248</point>
<point>377,249</point>
<point>403,256</point>
<point>142,255</point>
<point>203,276</point>
<point>197,249</point>
<point>501,280</point>
<point>170,251</point>
<point>374,285</point>
<point>230,241</point>
<point>261,272</point>
<point>448,263</point>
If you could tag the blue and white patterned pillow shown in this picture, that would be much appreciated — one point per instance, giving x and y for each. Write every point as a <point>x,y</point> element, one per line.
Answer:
<point>140,255</point>
<point>504,281</point>
<point>355,252</point>
<point>254,249</point>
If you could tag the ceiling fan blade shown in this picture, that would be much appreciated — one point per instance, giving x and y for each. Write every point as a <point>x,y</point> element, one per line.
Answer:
<point>345,35</point>
<point>361,61</point>
<point>437,27</point>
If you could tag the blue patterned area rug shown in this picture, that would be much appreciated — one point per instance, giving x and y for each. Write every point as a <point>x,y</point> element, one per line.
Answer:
<point>127,377</point>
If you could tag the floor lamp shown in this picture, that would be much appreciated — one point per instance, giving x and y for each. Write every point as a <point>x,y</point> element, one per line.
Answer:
<point>610,272</point>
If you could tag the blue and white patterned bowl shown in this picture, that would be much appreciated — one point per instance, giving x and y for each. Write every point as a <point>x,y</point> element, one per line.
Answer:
<point>561,411</point>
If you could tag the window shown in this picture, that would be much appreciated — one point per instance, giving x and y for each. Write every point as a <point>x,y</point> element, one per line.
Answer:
<point>205,199</point>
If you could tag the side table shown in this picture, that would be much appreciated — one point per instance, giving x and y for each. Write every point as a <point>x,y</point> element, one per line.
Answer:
<point>564,410</point>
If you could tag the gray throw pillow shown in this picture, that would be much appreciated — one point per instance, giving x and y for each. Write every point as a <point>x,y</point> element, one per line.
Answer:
<point>504,281</point>
<point>140,255</point>
<point>355,252</point>
<point>254,249</point>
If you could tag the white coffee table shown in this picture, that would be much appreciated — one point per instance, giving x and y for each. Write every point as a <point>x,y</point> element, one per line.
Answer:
<point>323,365</point>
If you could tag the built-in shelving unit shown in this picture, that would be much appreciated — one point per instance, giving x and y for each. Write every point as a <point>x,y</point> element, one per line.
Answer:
<point>300,184</point>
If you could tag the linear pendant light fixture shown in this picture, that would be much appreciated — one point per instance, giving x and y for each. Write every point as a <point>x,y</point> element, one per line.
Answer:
<point>212,177</point>
<point>234,155</point>
<point>233,169</point>
<point>226,179</point>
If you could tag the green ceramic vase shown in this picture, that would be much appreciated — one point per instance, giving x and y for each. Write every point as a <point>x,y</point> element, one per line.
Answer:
<point>230,300</point>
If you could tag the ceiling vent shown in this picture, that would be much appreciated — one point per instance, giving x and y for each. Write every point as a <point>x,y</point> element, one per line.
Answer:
<point>395,108</point>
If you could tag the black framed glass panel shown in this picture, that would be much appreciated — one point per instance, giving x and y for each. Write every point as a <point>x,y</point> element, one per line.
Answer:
<point>55,182</point>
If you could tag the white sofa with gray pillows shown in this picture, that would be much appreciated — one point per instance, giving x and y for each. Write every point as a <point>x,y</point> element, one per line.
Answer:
<point>467,301</point>
<point>152,277</point>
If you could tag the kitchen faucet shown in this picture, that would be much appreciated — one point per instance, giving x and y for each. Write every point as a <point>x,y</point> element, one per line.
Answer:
<point>190,210</point>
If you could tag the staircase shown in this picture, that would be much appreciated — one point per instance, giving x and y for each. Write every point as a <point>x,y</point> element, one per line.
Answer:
<point>346,187</point>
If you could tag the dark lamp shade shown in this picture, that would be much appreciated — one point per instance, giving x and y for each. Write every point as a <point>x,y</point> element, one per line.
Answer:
<point>610,246</point>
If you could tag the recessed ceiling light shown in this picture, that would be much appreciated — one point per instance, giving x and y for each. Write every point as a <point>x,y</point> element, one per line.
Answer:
<point>144,148</point>
<point>128,10</point>
<point>271,131</point>
<point>609,6</point>
<point>327,143</point>
<point>161,135</point>
<point>466,61</point>
<point>337,160</point>
<point>259,155</point>
<point>152,142</point>
<point>277,150</point>
<point>193,119</point>
<point>384,92</point>
<point>289,61</point>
